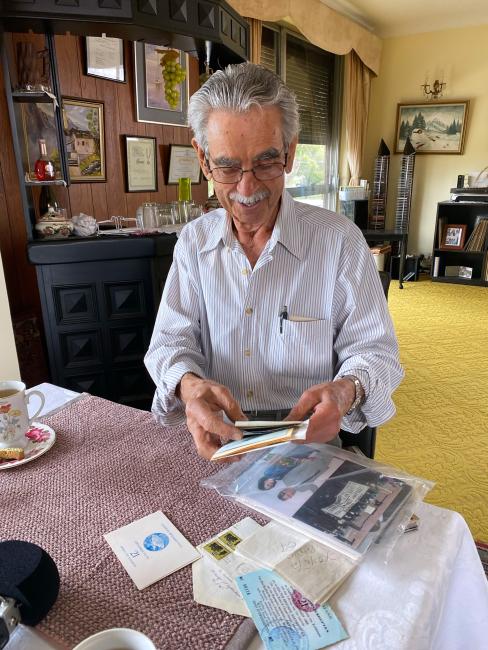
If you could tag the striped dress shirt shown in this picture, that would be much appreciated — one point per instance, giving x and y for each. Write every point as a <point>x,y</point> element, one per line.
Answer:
<point>219,318</point>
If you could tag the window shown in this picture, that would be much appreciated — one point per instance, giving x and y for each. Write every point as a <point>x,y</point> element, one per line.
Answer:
<point>309,72</point>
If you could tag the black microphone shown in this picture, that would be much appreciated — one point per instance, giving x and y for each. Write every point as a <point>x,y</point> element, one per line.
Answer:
<point>29,585</point>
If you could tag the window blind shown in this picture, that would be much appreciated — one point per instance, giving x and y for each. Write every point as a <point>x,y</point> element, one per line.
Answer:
<point>309,73</point>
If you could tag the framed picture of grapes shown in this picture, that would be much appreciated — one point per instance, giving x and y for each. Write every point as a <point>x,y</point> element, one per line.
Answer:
<point>161,84</point>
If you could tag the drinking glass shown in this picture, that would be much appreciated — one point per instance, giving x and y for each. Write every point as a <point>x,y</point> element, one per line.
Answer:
<point>149,216</point>
<point>165,215</point>
<point>195,210</point>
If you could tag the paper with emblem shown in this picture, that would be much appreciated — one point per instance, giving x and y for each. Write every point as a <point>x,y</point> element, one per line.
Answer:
<point>285,620</point>
<point>151,548</point>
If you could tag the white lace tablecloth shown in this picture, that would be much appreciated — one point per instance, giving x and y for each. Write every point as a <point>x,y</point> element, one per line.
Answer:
<point>431,595</point>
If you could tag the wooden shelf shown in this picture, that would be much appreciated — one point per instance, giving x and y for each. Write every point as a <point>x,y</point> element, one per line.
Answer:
<point>468,214</point>
<point>58,181</point>
<point>476,282</point>
<point>440,251</point>
<point>34,97</point>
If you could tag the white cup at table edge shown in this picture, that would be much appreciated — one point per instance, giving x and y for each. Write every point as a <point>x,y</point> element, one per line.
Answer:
<point>116,638</point>
<point>15,421</point>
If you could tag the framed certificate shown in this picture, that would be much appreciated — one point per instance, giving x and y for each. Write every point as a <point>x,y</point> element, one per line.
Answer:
<point>105,58</point>
<point>141,167</point>
<point>183,163</point>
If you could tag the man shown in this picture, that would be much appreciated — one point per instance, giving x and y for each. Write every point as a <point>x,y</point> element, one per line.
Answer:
<point>281,466</point>
<point>270,303</point>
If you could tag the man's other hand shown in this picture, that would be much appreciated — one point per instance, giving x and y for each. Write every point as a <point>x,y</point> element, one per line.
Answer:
<point>204,402</point>
<point>328,403</point>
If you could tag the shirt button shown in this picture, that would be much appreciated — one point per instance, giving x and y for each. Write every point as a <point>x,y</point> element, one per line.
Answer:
<point>249,394</point>
<point>248,311</point>
<point>245,271</point>
<point>247,353</point>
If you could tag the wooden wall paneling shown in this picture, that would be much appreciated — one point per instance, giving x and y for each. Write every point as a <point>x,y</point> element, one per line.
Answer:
<point>128,124</point>
<point>156,131</point>
<point>115,185</point>
<point>68,64</point>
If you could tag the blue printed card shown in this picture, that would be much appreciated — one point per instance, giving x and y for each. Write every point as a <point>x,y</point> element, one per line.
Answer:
<point>151,548</point>
<point>285,619</point>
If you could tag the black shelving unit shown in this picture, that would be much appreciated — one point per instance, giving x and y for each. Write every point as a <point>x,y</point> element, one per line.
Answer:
<point>15,99</point>
<point>453,213</point>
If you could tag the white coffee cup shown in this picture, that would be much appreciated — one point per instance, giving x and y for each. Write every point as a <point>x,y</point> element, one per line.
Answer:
<point>14,417</point>
<point>117,638</point>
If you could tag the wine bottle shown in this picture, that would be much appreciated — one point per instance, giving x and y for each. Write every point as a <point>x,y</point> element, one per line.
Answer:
<point>47,201</point>
<point>44,167</point>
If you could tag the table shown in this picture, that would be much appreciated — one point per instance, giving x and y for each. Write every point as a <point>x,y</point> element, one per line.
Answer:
<point>432,594</point>
<point>389,236</point>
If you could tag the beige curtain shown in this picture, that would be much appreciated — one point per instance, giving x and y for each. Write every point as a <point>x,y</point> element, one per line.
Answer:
<point>357,85</point>
<point>322,26</point>
<point>255,39</point>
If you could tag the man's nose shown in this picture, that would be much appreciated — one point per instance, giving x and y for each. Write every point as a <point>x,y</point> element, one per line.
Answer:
<point>248,182</point>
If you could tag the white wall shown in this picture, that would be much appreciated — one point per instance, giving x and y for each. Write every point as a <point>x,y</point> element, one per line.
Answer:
<point>462,56</point>
<point>9,365</point>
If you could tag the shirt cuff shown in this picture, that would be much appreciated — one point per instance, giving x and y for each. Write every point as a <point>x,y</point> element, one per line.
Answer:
<point>167,407</point>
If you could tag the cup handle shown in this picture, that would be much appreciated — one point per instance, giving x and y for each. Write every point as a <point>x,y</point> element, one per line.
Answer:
<point>41,397</point>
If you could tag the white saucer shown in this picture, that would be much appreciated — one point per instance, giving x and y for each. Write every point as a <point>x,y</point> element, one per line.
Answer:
<point>41,438</point>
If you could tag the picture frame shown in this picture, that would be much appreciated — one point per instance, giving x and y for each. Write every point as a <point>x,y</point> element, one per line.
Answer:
<point>453,235</point>
<point>433,127</point>
<point>105,58</point>
<point>84,138</point>
<point>141,164</point>
<point>183,163</point>
<point>151,105</point>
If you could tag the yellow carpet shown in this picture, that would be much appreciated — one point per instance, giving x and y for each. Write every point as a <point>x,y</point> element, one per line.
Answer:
<point>441,427</point>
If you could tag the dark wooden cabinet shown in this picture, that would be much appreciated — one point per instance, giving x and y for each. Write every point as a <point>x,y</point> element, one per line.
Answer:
<point>99,300</point>
<point>448,262</point>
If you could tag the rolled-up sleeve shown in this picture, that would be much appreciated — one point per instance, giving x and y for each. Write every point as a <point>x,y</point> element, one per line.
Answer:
<point>365,342</point>
<point>175,346</point>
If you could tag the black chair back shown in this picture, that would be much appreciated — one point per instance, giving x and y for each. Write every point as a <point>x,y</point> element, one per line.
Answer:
<point>366,438</point>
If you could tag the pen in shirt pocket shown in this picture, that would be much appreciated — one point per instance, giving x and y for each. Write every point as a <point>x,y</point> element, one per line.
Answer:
<point>284,315</point>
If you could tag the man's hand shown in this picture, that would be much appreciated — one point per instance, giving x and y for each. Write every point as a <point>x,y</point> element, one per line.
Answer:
<point>328,402</point>
<point>205,400</point>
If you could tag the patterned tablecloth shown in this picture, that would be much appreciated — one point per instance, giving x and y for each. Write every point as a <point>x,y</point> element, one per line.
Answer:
<point>112,464</point>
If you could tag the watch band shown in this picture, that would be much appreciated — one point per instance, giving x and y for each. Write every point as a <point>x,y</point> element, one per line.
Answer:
<point>359,392</point>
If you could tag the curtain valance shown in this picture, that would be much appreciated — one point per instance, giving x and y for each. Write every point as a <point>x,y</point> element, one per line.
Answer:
<point>322,26</point>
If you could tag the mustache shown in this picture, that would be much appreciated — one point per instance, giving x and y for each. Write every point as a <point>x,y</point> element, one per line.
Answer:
<point>249,200</point>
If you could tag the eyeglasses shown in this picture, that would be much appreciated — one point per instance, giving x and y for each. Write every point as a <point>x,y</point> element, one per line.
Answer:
<point>263,172</point>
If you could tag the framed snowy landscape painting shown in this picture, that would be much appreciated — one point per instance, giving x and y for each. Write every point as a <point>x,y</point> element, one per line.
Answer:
<point>432,128</point>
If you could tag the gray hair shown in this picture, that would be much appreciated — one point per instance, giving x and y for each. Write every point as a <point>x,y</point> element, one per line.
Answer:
<point>238,88</point>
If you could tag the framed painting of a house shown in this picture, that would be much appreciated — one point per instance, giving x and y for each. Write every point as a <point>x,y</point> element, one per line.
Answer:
<point>83,125</point>
<point>438,127</point>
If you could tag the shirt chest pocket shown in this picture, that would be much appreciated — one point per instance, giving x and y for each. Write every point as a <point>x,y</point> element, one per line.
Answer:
<point>305,349</point>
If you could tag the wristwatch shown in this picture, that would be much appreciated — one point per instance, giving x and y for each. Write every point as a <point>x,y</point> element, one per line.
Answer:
<point>359,394</point>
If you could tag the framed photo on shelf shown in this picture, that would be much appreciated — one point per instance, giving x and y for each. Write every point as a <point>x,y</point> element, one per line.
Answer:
<point>438,127</point>
<point>84,136</point>
<point>104,58</point>
<point>141,164</point>
<point>453,237</point>
<point>151,103</point>
<point>183,163</point>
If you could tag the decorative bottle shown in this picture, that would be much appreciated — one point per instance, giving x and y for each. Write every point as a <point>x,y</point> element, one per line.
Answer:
<point>44,167</point>
<point>184,189</point>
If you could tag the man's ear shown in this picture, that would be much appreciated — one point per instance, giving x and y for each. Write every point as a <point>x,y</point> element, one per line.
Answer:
<point>291,154</point>
<point>201,158</point>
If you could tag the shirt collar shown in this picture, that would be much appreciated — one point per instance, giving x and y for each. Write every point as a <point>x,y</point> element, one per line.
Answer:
<point>286,230</point>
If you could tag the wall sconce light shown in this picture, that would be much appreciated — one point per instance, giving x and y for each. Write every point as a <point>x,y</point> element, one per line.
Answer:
<point>436,91</point>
